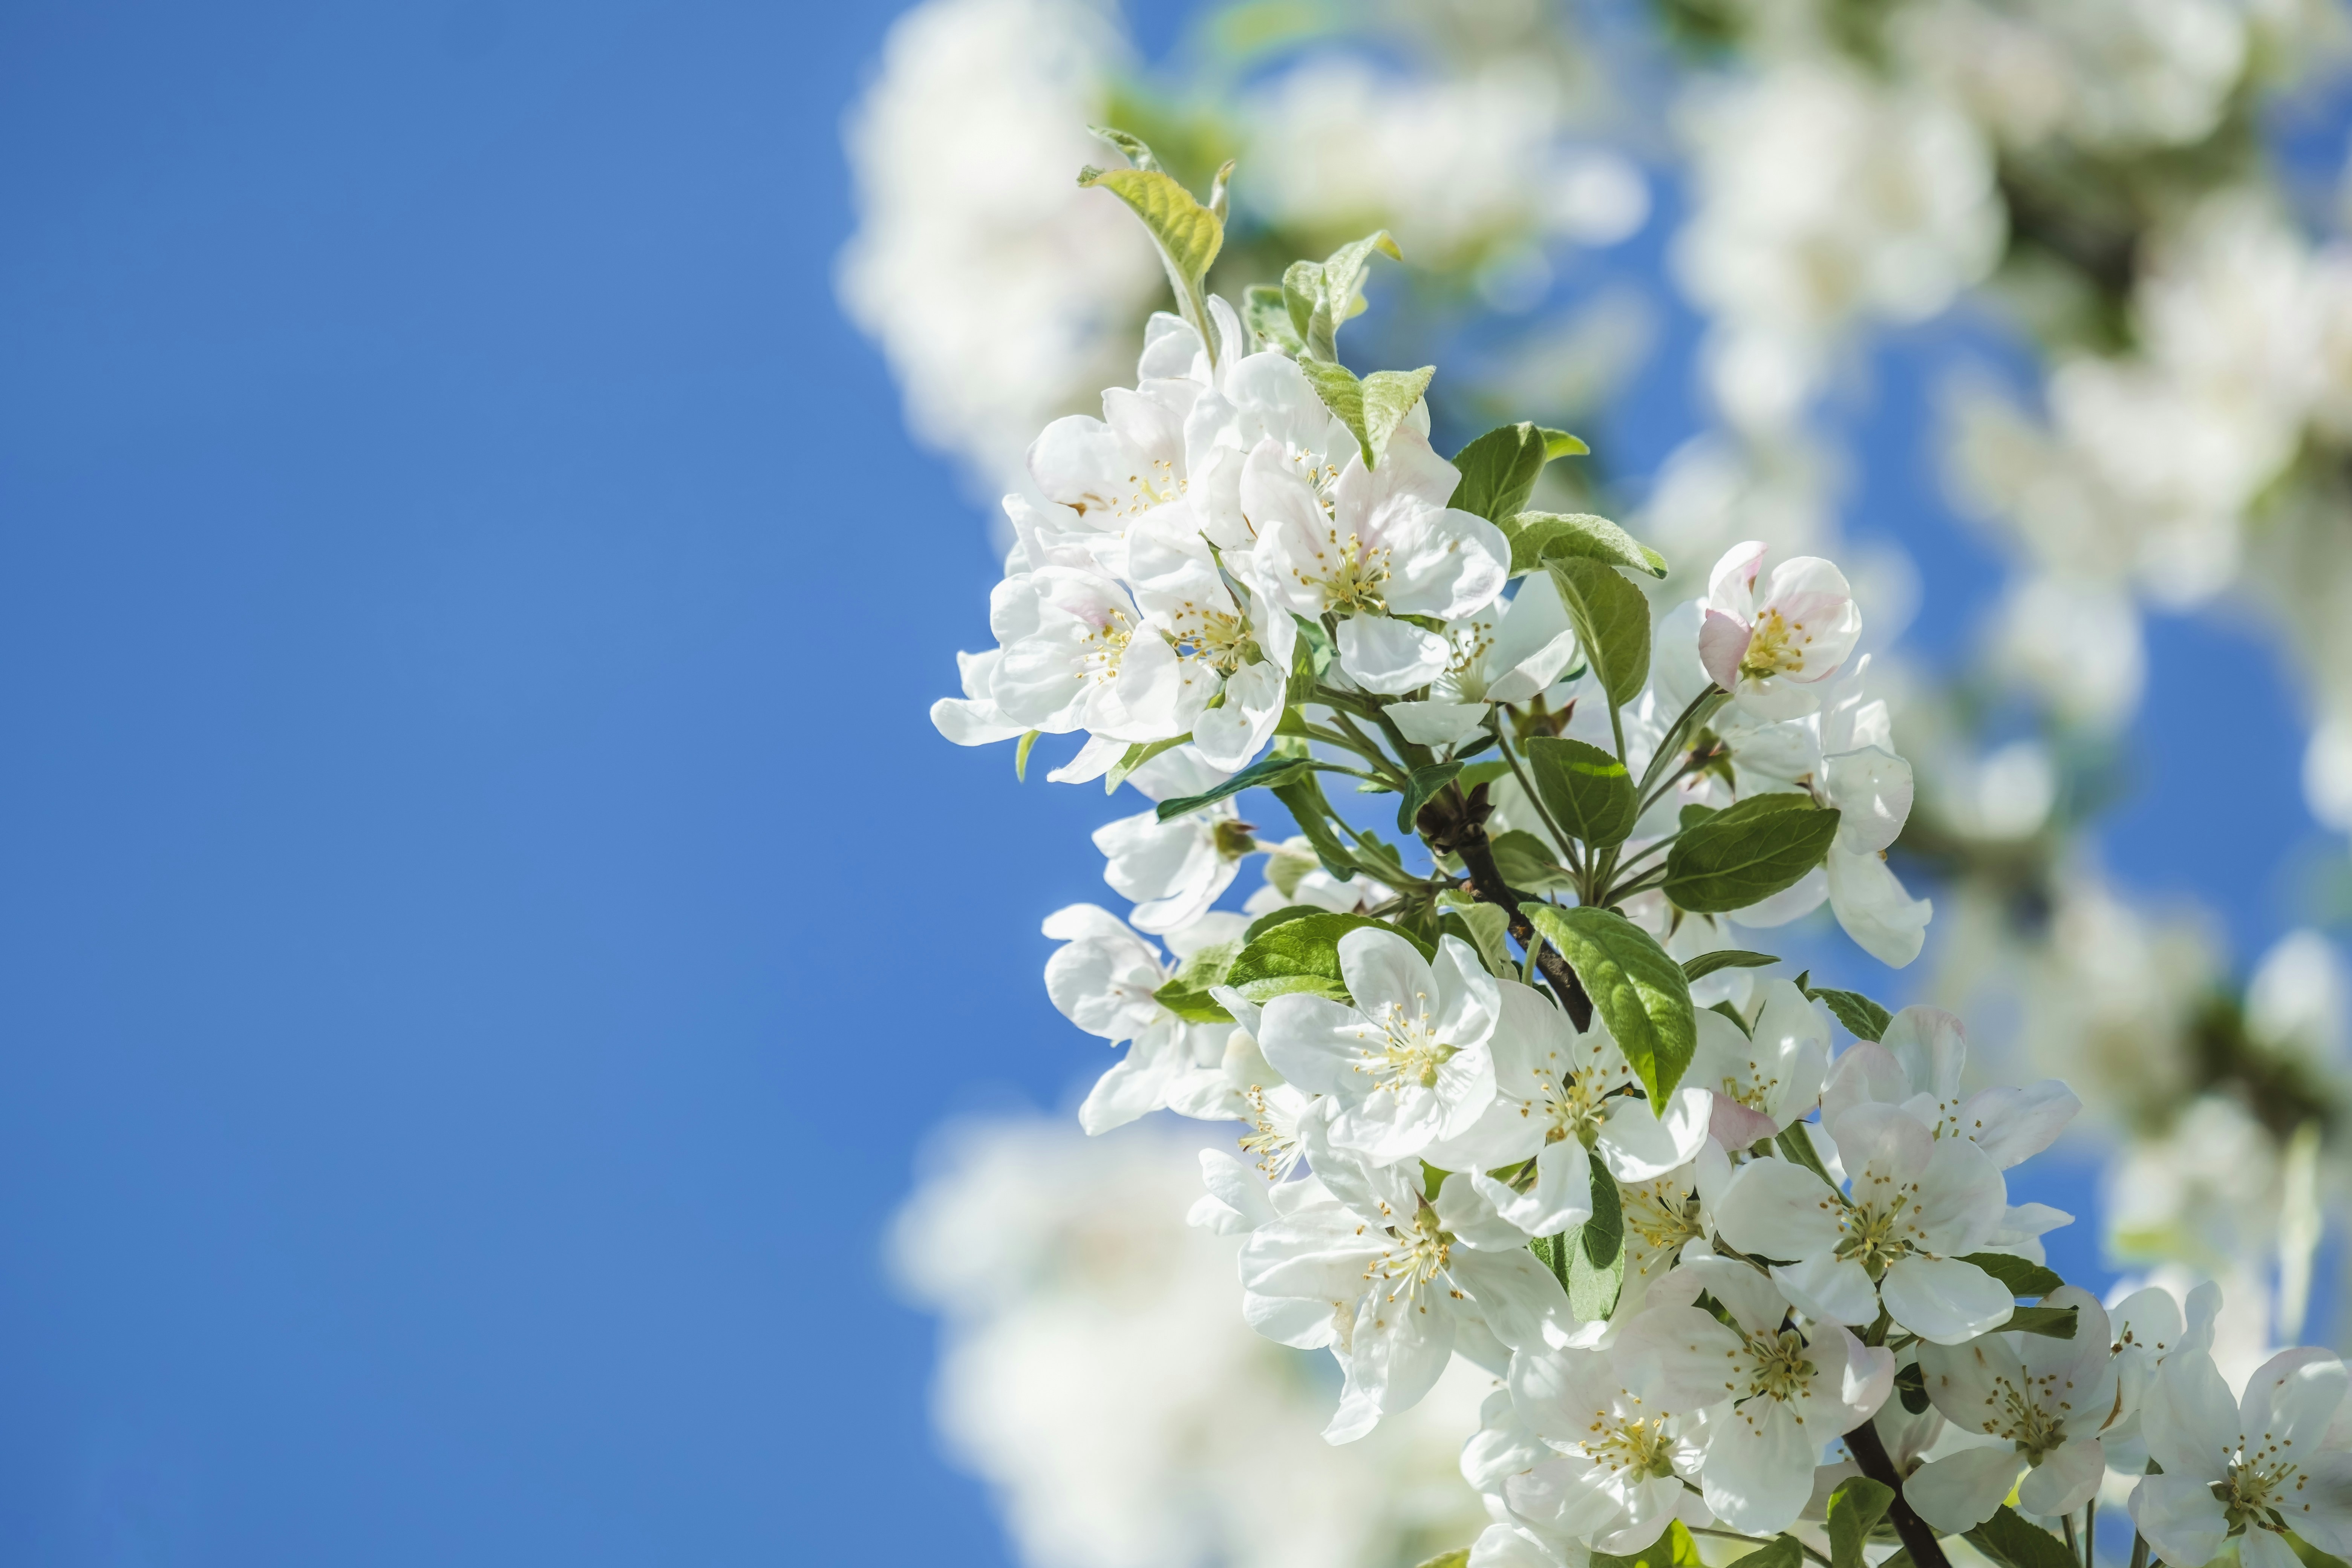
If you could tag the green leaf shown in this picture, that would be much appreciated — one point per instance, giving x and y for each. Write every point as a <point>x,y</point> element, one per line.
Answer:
<point>1796,1146</point>
<point>1021,756</point>
<point>1781,1552</point>
<point>1856,1507</point>
<point>1612,620</point>
<point>2057,1322</point>
<point>1596,1263</point>
<point>1187,235</point>
<point>1303,798</point>
<point>1732,1013</point>
<point>1724,958</point>
<point>1424,783</point>
<point>1690,816</point>
<point>1137,755</point>
<point>1588,791</point>
<point>1638,992</point>
<point>1321,296</point>
<point>1673,1549</point>
<point>1458,1558</point>
<point>1538,536</point>
<point>1527,864</point>
<point>1137,152</point>
<point>1186,992</point>
<point>1283,916</point>
<point>1372,408</point>
<point>1912,1384</point>
<point>1302,954</point>
<point>1477,774</point>
<point>1266,314</point>
<point>1499,470</point>
<point>2011,1543</point>
<point>1864,1018</point>
<point>1748,852</point>
<point>2023,1276</point>
<point>1485,928</point>
<point>1268,771</point>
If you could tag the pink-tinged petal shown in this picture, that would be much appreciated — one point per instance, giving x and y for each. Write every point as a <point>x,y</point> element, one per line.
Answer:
<point>1735,1126</point>
<point>1731,586</point>
<point>1722,644</point>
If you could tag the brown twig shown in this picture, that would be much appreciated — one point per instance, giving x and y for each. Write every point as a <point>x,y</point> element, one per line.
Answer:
<point>1455,825</point>
<point>1918,1539</point>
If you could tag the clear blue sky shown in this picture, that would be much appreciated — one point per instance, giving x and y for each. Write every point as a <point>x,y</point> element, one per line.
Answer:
<point>484,921</point>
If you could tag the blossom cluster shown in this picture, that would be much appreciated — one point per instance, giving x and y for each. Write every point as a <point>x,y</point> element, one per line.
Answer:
<point>1512,1092</point>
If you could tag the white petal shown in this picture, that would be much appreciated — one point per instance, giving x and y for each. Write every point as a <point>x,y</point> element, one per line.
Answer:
<point>2067,1478</point>
<point>1435,723</point>
<point>2181,1517</point>
<point>1828,1290</point>
<point>1391,655</point>
<point>1870,904</point>
<point>1961,1490</point>
<point>1945,1300</point>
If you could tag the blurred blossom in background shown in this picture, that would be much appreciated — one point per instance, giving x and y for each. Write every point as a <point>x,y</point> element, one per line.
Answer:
<point>2037,311</point>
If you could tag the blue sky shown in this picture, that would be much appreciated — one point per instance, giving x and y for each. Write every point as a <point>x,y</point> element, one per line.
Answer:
<point>484,919</point>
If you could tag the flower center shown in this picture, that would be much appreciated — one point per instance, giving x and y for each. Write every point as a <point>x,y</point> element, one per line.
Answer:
<point>1874,1233</point>
<point>1218,638</point>
<point>1780,1368</point>
<point>1273,1139</point>
<point>1352,576</point>
<point>1639,1446</point>
<point>1575,1105</point>
<point>1157,484</point>
<point>1776,646</point>
<point>1662,1217</point>
<point>2032,1417</point>
<point>1410,1051</point>
<point>2259,1487</point>
<point>1756,1091</point>
<point>1106,644</point>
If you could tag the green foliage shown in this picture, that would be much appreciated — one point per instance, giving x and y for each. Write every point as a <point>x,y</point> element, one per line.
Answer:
<point>1675,1549</point>
<point>1864,1018</point>
<point>1854,1509</point>
<point>1137,755</point>
<point>1423,783</point>
<point>1458,1558</point>
<point>1318,296</point>
<point>2012,1542</point>
<point>2057,1322</point>
<point>1372,408</point>
<point>1911,1385</point>
<point>2023,1277</point>
<point>1527,864</point>
<point>1748,851</point>
<point>1499,470</point>
<point>1638,992</point>
<point>1186,992</point>
<point>1588,791</point>
<point>1539,536</point>
<point>1268,771</point>
<point>1266,315</point>
<point>1021,755</point>
<point>1486,929</point>
<point>1303,798</point>
<point>1302,954</point>
<point>1612,620</point>
<point>1797,1145</point>
<point>1187,235</point>
<point>1724,958</point>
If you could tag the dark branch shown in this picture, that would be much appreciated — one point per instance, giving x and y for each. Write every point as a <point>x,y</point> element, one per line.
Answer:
<point>1918,1539</point>
<point>1457,825</point>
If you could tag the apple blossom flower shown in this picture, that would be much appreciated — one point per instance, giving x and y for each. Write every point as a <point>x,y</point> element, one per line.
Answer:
<point>1102,979</point>
<point>1411,1061</point>
<point>1791,1392</point>
<point>2252,1468</point>
<point>1564,1099</point>
<point>1769,655</point>
<point>1917,1206</point>
<point>1766,1079</point>
<point>1387,545</point>
<point>1624,1448</point>
<point>1511,651</point>
<point>1917,1066</point>
<point>1173,870</point>
<point>2048,1400</point>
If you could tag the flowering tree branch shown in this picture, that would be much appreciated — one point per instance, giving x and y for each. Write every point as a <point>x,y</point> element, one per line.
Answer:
<point>1918,1539</point>
<point>1455,825</point>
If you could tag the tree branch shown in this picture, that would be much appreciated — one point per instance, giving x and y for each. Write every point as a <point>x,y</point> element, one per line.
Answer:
<point>1918,1539</point>
<point>1457,825</point>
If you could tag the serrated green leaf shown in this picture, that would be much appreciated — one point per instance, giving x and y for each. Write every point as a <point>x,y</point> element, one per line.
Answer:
<point>1673,1549</point>
<point>1477,774</point>
<point>1538,536</point>
<point>1724,958</point>
<point>1187,235</point>
<point>1486,929</point>
<point>2057,1322</point>
<point>1690,816</point>
<point>1727,1010</point>
<point>1321,297</point>
<point>1588,791</point>
<point>1186,992</point>
<point>1638,992</point>
<point>1864,1018</point>
<point>1372,408</point>
<point>1303,798</point>
<point>1526,863</point>
<point>2011,1543</point>
<point>1612,620</point>
<point>1137,755</point>
<point>1420,785</point>
<point>1854,1509</point>
<point>2023,1276</point>
<point>1748,852</point>
<point>1267,316</point>
<point>1303,954</point>
<point>1266,772</point>
<point>1132,146</point>
<point>1499,470</point>
<point>1596,1263</point>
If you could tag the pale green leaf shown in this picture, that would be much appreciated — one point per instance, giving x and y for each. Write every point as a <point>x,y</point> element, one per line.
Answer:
<point>1747,852</point>
<point>1588,791</point>
<point>1612,620</point>
<point>1638,992</point>
<point>1538,536</point>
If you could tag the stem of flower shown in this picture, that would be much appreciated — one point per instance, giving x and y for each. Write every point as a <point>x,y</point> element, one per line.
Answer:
<point>1452,827</point>
<point>2091,1533</point>
<point>1567,846</point>
<point>1918,1539</point>
<point>2139,1549</point>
